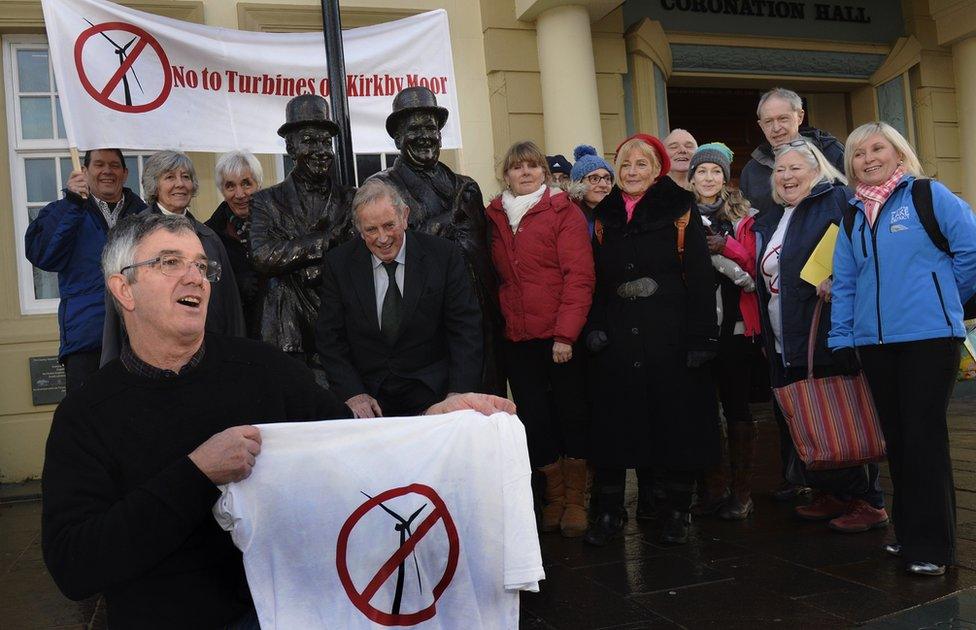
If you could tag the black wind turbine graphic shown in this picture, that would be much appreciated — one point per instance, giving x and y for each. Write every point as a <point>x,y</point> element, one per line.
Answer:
<point>402,526</point>
<point>120,51</point>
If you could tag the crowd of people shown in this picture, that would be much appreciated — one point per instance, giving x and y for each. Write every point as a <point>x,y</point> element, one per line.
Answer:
<point>635,310</point>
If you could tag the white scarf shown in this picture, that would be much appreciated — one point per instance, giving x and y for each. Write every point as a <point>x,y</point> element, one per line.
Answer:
<point>516,207</point>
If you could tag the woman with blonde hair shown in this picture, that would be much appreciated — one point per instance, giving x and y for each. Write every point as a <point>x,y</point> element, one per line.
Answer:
<point>904,265</point>
<point>813,197</point>
<point>541,250</point>
<point>652,329</point>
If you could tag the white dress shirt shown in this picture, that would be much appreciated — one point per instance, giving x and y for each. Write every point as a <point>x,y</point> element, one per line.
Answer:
<point>381,280</point>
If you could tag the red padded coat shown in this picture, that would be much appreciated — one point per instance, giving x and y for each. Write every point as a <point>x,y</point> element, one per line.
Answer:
<point>545,269</point>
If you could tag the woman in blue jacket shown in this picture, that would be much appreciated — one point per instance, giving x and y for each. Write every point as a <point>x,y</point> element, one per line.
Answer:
<point>898,299</point>
<point>813,197</point>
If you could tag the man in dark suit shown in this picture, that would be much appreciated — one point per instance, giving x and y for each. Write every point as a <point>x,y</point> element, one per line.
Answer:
<point>399,326</point>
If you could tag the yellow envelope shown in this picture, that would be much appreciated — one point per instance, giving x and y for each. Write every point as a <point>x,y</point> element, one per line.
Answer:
<point>821,263</point>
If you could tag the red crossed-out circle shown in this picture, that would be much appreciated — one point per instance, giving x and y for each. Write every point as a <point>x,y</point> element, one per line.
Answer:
<point>361,599</point>
<point>103,95</point>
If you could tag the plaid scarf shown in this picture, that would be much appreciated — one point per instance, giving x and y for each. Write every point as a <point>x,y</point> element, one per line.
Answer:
<point>875,196</point>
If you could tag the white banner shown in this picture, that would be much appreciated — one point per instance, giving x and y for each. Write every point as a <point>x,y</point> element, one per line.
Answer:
<point>134,80</point>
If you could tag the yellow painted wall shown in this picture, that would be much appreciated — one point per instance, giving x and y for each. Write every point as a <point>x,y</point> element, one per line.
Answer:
<point>512,62</point>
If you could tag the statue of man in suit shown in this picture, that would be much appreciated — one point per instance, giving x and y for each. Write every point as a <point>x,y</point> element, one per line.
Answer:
<point>445,204</point>
<point>293,224</point>
<point>400,327</point>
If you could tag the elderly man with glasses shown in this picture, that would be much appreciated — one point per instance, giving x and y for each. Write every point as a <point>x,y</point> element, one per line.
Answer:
<point>780,116</point>
<point>134,458</point>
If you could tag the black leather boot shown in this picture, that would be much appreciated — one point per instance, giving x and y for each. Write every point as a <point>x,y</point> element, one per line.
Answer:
<point>607,527</point>
<point>675,530</point>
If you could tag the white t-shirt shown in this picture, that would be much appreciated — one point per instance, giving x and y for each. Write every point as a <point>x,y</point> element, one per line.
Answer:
<point>319,552</point>
<point>769,269</point>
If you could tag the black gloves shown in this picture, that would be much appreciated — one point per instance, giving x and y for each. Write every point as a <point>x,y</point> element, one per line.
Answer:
<point>596,341</point>
<point>698,358</point>
<point>845,361</point>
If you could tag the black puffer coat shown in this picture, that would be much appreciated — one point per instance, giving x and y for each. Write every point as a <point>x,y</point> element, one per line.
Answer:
<point>649,407</point>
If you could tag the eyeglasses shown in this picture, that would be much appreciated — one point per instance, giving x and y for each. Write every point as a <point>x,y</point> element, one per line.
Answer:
<point>596,179</point>
<point>793,144</point>
<point>176,266</point>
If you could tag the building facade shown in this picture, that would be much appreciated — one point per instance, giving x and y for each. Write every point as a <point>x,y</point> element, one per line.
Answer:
<point>559,72</point>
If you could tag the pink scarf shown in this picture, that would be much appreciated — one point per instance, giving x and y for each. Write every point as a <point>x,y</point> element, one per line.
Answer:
<point>875,196</point>
<point>630,202</point>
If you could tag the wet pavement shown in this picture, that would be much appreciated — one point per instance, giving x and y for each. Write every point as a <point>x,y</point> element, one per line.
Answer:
<point>771,570</point>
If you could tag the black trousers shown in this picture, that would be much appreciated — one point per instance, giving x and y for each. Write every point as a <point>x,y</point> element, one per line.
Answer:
<point>399,396</point>
<point>734,372</point>
<point>911,384</point>
<point>854,482</point>
<point>611,485</point>
<point>551,399</point>
<point>78,367</point>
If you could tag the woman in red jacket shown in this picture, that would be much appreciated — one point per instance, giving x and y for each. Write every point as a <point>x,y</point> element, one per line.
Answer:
<point>540,246</point>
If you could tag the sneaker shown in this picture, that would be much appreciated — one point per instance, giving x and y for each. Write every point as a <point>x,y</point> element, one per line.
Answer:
<point>859,517</point>
<point>788,491</point>
<point>823,507</point>
<point>926,568</point>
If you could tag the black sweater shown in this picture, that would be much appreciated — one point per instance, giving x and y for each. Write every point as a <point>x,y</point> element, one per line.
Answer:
<point>126,512</point>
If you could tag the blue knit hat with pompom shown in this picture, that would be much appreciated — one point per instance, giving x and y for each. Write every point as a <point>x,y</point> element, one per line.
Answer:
<point>587,161</point>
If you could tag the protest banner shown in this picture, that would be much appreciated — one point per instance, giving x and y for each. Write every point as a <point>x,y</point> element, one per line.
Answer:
<point>134,80</point>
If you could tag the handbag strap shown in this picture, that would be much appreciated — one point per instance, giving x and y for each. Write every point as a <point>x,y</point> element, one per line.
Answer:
<point>812,338</point>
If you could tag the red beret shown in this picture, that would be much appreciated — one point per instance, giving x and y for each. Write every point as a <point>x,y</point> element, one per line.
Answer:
<point>657,145</point>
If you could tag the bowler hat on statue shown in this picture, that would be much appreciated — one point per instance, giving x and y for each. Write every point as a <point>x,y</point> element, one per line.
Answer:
<point>414,99</point>
<point>307,109</point>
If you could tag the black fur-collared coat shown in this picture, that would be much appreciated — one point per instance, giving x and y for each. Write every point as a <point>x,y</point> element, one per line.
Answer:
<point>649,407</point>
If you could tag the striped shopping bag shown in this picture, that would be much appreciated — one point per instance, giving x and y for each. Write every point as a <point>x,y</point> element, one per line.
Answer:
<point>832,420</point>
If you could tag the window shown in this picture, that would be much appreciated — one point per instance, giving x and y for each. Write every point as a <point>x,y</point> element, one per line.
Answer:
<point>40,164</point>
<point>366,164</point>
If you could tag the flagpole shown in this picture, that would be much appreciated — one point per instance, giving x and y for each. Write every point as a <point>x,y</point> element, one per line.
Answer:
<point>332,31</point>
<point>75,162</point>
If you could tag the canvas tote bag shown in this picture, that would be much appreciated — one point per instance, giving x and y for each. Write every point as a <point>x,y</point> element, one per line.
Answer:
<point>832,420</point>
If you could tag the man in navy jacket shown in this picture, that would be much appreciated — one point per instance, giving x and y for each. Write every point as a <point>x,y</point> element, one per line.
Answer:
<point>67,237</point>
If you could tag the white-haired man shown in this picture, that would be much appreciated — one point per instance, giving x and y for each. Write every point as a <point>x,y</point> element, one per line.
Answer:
<point>780,114</point>
<point>400,325</point>
<point>135,456</point>
<point>680,145</point>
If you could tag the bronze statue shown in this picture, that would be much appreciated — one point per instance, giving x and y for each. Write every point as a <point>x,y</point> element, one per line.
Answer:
<point>445,204</point>
<point>293,224</point>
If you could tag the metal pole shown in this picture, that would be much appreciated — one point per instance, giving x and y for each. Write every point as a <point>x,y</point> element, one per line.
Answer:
<point>332,30</point>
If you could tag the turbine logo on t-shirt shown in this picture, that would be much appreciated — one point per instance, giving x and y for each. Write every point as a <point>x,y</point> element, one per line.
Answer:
<point>369,551</point>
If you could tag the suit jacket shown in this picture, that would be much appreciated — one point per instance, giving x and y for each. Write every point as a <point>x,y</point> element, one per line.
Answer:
<point>440,340</point>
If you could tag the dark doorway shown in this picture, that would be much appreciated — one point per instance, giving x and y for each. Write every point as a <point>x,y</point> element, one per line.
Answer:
<point>718,115</point>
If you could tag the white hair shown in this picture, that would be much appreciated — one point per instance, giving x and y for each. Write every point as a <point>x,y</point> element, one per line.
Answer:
<point>237,164</point>
<point>375,189</point>
<point>161,163</point>
<point>791,97</point>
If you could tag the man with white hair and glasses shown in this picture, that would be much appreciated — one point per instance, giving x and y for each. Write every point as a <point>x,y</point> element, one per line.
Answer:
<point>134,458</point>
<point>780,116</point>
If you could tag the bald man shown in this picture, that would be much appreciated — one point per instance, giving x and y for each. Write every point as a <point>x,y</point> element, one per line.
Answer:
<point>681,145</point>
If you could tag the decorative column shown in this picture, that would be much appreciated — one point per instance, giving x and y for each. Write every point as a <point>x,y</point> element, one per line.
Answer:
<point>570,106</point>
<point>955,24</point>
<point>964,64</point>
<point>649,62</point>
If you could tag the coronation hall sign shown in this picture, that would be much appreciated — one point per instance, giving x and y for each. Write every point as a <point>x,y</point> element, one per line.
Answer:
<point>856,20</point>
<point>134,80</point>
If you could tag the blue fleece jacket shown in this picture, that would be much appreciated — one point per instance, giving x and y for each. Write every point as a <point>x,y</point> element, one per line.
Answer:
<point>67,237</point>
<point>891,283</point>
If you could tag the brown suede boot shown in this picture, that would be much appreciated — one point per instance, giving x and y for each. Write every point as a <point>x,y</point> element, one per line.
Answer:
<point>742,438</point>
<point>576,475</point>
<point>555,498</point>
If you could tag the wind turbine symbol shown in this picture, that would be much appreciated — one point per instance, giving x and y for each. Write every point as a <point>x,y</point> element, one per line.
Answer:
<point>402,526</point>
<point>121,51</point>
